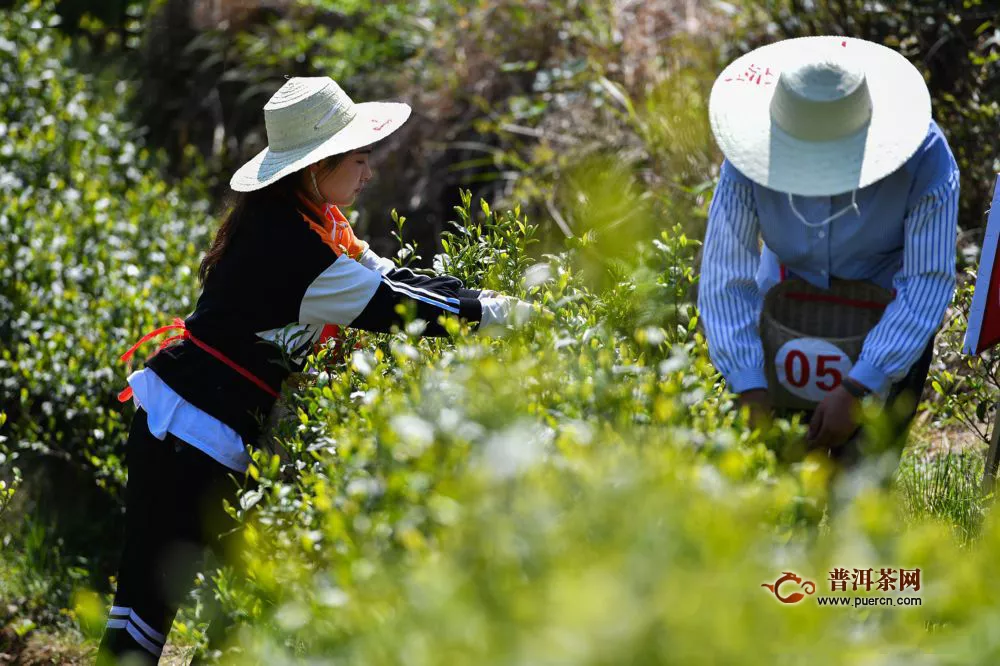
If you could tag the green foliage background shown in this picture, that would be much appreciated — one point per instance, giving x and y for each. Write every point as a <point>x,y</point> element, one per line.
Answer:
<point>580,491</point>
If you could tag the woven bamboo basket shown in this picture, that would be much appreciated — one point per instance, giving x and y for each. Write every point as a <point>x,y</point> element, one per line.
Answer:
<point>841,315</point>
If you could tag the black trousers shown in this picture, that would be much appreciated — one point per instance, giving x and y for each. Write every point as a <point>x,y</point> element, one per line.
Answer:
<point>901,408</point>
<point>174,513</point>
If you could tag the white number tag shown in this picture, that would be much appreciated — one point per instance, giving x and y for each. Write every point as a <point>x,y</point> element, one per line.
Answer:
<point>810,367</point>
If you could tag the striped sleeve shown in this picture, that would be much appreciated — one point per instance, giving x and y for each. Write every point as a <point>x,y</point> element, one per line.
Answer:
<point>440,283</point>
<point>924,288</point>
<point>728,297</point>
<point>349,294</point>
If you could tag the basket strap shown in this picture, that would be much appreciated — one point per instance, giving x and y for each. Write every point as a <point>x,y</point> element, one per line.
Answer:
<point>839,300</point>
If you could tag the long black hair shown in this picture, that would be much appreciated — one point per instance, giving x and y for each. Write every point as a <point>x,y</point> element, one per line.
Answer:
<point>241,204</point>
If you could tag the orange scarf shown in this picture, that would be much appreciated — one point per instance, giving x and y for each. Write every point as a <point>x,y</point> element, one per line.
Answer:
<point>335,230</point>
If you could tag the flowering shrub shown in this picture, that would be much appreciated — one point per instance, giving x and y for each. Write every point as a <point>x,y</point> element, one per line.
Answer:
<point>96,250</point>
<point>579,490</point>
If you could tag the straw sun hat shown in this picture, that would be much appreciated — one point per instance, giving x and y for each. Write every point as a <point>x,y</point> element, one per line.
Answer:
<point>310,118</point>
<point>818,116</point>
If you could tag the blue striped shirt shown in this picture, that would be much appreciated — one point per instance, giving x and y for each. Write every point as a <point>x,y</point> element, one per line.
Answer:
<point>903,239</point>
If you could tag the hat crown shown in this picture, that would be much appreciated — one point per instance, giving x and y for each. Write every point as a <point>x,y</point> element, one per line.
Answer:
<point>305,111</point>
<point>823,99</point>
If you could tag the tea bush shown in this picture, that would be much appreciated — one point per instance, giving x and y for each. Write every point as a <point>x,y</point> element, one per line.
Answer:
<point>581,490</point>
<point>7,488</point>
<point>383,450</point>
<point>577,547</point>
<point>95,249</point>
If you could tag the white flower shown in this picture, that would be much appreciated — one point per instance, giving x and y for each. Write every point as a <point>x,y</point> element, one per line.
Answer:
<point>537,275</point>
<point>516,449</point>
<point>678,361</point>
<point>333,597</point>
<point>292,616</point>
<point>654,335</point>
<point>363,362</point>
<point>405,350</point>
<point>362,487</point>
<point>580,431</point>
<point>416,434</point>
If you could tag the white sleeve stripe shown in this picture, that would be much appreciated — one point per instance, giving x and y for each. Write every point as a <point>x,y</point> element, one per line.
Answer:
<point>339,294</point>
<point>431,294</point>
<point>406,291</point>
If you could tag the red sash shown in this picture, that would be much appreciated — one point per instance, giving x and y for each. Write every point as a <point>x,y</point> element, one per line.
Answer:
<point>185,334</point>
<point>329,331</point>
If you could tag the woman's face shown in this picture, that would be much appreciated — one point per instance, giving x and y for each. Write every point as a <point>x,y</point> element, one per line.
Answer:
<point>343,184</point>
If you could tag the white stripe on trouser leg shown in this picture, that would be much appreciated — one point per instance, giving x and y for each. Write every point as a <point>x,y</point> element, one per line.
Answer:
<point>152,633</point>
<point>135,633</point>
<point>128,620</point>
<point>127,612</point>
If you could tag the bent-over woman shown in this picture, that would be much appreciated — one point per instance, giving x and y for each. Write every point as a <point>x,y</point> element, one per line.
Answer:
<point>284,270</point>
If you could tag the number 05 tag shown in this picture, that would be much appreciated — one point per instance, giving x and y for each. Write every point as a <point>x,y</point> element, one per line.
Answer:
<point>810,368</point>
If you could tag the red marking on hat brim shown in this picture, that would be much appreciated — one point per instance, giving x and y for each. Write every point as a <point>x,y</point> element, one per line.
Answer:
<point>382,126</point>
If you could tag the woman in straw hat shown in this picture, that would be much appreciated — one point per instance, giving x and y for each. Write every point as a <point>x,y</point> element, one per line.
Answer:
<point>284,271</point>
<point>833,159</point>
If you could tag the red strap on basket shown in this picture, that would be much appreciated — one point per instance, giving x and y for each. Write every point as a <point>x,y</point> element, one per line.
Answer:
<point>839,300</point>
<point>185,334</point>
<point>829,298</point>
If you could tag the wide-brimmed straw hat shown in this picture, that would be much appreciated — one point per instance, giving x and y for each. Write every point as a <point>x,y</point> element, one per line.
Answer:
<point>310,118</point>
<point>819,116</point>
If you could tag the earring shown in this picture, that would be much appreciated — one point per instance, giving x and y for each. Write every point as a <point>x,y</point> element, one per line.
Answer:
<point>312,174</point>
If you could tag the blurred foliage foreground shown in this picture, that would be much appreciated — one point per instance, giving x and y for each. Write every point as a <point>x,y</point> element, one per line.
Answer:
<point>580,491</point>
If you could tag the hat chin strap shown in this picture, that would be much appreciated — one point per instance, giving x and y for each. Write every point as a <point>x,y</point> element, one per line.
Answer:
<point>814,225</point>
